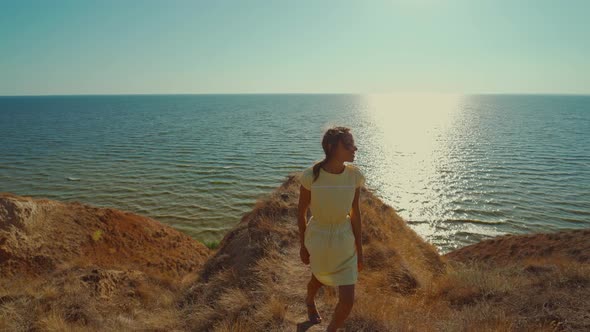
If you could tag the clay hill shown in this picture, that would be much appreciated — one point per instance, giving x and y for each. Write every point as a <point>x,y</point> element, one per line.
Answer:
<point>75,267</point>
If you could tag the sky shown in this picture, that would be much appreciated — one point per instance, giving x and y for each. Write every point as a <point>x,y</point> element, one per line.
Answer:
<point>276,46</point>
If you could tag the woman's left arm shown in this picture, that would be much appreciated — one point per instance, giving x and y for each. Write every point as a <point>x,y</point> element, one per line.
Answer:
<point>355,219</point>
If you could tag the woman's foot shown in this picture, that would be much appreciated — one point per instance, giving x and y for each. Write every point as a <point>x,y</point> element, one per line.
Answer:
<point>312,313</point>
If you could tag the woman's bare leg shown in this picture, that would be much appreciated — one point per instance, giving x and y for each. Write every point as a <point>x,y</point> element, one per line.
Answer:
<point>312,288</point>
<point>343,308</point>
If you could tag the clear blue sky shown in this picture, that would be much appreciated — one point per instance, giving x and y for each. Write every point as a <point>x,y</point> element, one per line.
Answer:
<point>471,46</point>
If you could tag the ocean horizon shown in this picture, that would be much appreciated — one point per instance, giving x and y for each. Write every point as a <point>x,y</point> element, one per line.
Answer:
<point>457,168</point>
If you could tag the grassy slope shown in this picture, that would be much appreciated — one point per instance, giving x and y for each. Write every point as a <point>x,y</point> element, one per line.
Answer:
<point>255,281</point>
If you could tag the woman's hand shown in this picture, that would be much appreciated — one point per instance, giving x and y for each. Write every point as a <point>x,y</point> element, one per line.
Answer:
<point>360,261</point>
<point>304,254</point>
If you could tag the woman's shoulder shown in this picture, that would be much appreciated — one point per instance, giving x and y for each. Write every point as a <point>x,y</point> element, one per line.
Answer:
<point>308,169</point>
<point>353,168</point>
<point>355,171</point>
<point>308,172</point>
<point>358,175</point>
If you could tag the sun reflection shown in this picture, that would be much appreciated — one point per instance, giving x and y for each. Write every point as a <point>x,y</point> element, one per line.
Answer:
<point>410,158</point>
<point>411,122</point>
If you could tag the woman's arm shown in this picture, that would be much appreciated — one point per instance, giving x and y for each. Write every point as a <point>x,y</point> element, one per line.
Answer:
<point>304,200</point>
<point>355,219</point>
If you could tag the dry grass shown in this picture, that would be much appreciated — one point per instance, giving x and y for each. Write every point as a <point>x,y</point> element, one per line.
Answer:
<point>255,281</point>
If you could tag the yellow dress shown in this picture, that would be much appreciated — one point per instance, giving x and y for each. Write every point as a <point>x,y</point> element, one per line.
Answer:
<point>328,237</point>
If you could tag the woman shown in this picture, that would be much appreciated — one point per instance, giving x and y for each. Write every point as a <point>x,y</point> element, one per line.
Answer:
<point>331,241</point>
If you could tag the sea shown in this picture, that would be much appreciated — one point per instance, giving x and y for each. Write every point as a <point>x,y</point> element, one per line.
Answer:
<point>457,168</point>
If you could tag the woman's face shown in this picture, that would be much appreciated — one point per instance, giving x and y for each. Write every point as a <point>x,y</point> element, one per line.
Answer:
<point>346,149</point>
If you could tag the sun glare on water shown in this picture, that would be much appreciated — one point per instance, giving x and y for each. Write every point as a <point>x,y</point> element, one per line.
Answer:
<point>410,159</point>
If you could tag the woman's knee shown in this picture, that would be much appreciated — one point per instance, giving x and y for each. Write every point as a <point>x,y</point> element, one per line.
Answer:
<point>346,294</point>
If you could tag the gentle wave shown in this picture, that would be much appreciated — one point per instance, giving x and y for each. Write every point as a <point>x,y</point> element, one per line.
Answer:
<point>462,171</point>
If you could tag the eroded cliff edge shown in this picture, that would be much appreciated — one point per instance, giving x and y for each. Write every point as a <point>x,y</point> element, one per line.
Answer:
<point>75,265</point>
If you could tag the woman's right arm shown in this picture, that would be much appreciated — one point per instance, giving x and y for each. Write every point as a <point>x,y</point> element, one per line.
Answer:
<point>304,200</point>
